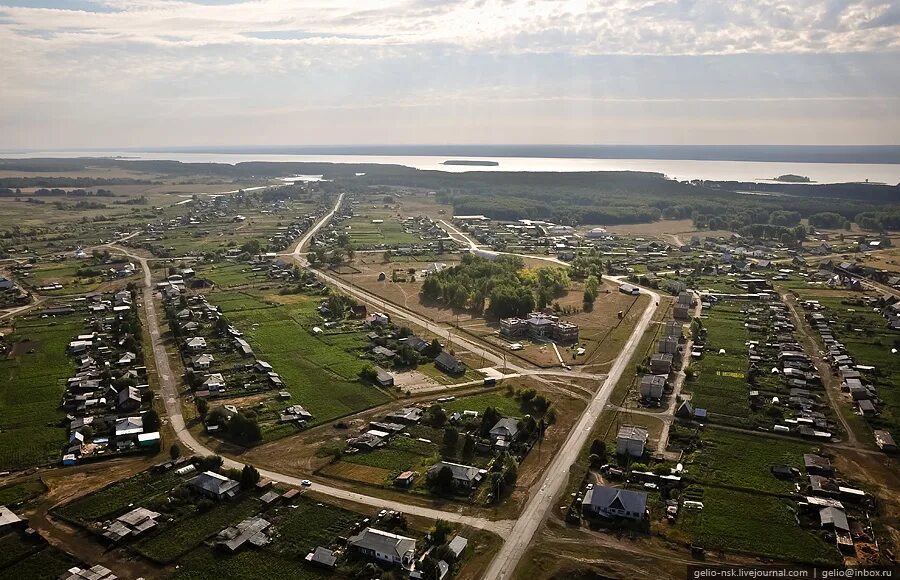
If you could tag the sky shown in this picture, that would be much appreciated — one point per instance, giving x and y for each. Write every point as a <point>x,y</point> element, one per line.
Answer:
<point>134,73</point>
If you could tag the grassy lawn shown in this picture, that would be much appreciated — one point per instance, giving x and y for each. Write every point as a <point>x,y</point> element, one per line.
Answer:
<point>203,564</point>
<point>319,371</point>
<point>21,492</point>
<point>402,453</point>
<point>741,460</point>
<point>497,398</point>
<point>31,385</point>
<point>757,524</point>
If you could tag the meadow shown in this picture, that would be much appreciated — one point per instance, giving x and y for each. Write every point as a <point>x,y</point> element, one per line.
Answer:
<point>31,386</point>
<point>505,404</point>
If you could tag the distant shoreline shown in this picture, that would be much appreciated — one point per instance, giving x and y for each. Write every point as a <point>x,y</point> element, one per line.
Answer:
<point>474,162</point>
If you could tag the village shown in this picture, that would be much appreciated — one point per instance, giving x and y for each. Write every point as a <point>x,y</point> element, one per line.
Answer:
<point>344,409</point>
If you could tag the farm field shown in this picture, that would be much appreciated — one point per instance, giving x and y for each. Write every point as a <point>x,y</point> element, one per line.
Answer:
<point>31,384</point>
<point>768,528</point>
<point>741,460</point>
<point>364,233</point>
<point>721,384</point>
<point>116,498</point>
<point>321,371</point>
<point>190,531</point>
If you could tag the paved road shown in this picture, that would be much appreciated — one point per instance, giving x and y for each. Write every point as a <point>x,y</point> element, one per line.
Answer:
<point>556,474</point>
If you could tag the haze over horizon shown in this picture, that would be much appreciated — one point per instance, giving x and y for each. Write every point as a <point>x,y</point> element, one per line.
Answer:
<point>170,73</point>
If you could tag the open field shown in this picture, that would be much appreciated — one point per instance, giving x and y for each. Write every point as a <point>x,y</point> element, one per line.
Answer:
<point>757,524</point>
<point>31,385</point>
<point>684,229</point>
<point>22,558</point>
<point>319,371</point>
<point>740,460</point>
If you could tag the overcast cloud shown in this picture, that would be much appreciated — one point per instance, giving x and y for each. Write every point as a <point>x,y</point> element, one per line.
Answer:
<point>110,73</point>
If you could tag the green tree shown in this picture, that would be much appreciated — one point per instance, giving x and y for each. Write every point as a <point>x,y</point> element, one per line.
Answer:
<point>249,476</point>
<point>151,421</point>
<point>451,436</point>
<point>174,451</point>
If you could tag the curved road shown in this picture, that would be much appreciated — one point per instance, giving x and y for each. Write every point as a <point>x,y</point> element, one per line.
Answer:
<point>519,533</point>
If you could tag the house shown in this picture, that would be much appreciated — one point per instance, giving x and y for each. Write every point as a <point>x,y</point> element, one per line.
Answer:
<point>322,557</point>
<point>817,465</point>
<point>405,415</point>
<point>885,441</point>
<point>196,343</point>
<point>128,399</point>
<point>213,485</point>
<point>464,476</point>
<point>406,478</point>
<point>243,347</point>
<point>133,523</point>
<point>652,386</point>
<point>128,426</point>
<point>661,364</point>
<point>214,382</point>
<point>8,519</point>
<point>866,407</point>
<point>202,361</point>
<point>97,572</point>
<point>832,517</point>
<point>457,545</point>
<point>611,502</point>
<point>383,352</point>
<point>251,530</point>
<point>383,378</point>
<point>385,546</point>
<point>668,346</point>
<point>504,431</point>
<point>449,364</point>
<point>631,441</point>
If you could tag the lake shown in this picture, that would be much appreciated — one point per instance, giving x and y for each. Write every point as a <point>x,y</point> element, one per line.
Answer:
<point>680,169</point>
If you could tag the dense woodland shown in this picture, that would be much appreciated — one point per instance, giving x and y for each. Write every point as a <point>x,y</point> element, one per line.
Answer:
<point>605,198</point>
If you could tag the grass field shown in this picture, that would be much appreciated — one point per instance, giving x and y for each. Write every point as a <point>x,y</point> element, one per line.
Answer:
<point>741,460</point>
<point>31,386</point>
<point>715,389</point>
<point>21,559</point>
<point>498,399</point>
<point>21,492</point>
<point>319,371</point>
<point>758,524</point>
<point>401,454</point>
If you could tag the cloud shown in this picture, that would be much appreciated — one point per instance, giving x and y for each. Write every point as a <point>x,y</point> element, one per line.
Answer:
<point>163,61</point>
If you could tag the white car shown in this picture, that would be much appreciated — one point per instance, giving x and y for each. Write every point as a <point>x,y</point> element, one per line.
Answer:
<point>306,483</point>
